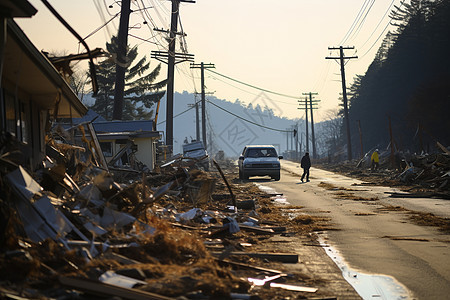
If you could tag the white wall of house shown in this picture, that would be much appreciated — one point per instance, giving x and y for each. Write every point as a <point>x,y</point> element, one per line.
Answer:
<point>146,152</point>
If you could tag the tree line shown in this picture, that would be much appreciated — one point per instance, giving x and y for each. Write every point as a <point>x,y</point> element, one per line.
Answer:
<point>407,83</point>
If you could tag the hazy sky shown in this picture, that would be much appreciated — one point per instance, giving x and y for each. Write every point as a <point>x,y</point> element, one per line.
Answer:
<point>278,46</point>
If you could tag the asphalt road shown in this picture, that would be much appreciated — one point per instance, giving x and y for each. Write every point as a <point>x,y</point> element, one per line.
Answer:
<point>371,236</point>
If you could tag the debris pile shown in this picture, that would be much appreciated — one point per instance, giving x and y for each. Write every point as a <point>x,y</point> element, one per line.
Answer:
<point>423,175</point>
<point>431,172</point>
<point>70,230</point>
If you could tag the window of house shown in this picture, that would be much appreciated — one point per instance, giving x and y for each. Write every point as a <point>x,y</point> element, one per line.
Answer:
<point>24,122</point>
<point>17,118</point>
<point>106,149</point>
<point>10,114</point>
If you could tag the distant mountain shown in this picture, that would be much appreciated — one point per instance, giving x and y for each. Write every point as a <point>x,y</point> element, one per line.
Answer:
<point>230,126</point>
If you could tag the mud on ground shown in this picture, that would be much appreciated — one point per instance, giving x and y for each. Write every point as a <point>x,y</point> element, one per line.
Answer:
<point>391,178</point>
<point>187,259</point>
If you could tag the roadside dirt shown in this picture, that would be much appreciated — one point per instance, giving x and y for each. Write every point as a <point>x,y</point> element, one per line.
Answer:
<point>181,259</point>
<point>375,235</point>
<point>390,178</point>
<point>314,268</point>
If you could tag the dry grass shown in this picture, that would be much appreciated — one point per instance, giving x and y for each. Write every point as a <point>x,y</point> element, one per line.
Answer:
<point>391,208</point>
<point>399,238</point>
<point>332,187</point>
<point>429,219</point>
<point>352,196</point>
<point>421,218</point>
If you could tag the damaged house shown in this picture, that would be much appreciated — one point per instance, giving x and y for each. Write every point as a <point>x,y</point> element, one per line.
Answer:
<point>125,144</point>
<point>33,91</point>
<point>128,137</point>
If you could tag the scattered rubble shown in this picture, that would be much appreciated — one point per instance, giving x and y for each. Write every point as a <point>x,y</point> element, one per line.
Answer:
<point>72,229</point>
<point>421,175</point>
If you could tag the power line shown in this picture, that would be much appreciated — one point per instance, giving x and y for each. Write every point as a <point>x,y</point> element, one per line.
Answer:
<point>142,39</point>
<point>373,44</point>
<point>255,87</point>
<point>177,115</point>
<point>385,13</point>
<point>248,121</point>
<point>381,34</point>
<point>97,29</point>
<point>157,36</point>
<point>248,92</point>
<point>355,21</point>
<point>361,23</point>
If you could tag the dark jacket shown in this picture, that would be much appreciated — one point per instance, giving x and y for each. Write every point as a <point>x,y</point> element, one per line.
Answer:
<point>306,162</point>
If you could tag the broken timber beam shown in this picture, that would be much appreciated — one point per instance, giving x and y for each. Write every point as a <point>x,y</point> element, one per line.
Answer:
<point>257,230</point>
<point>233,198</point>
<point>247,266</point>
<point>443,148</point>
<point>280,257</point>
<point>102,289</point>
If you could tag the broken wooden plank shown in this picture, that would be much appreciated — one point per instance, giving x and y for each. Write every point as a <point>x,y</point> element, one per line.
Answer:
<point>443,148</point>
<point>121,259</point>
<point>96,149</point>
<point>188,227</point>
<point>277,229</point>
<point>291,287</point>
<point>280,257</point>
<point>233,197</point>
<point>418,195</point>
<point>102,289</point>
<point>257,230</point>
<point>247,266</point>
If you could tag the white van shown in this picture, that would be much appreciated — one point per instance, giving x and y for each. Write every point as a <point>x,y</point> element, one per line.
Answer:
<point>259,160</point>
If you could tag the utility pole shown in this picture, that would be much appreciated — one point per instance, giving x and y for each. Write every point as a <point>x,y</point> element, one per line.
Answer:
<point>392,143</point>
<point>360,138</point>
<point>287,140</point>
<point>313,138</point>
<point>344,93</point>
<point>291,147</point>
<point>122,42</point>
<point>172,59</point>
<point>202,67</point>
<point>296,141</point>
<point>306,122</point>
<point>197,121</point>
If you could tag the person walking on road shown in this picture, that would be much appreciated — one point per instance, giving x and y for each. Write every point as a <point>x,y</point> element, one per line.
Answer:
<point>305,164</point>
<point>375,160</point>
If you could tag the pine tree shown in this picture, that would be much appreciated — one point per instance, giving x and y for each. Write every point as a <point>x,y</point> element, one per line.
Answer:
<point>140,92</point>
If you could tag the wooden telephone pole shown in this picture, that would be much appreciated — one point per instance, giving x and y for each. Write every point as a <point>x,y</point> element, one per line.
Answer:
<point>197,120</point>
<point>202,67</point>
<point>122,41</point>
<point>172,59</point>
<point>306,114</point>
<point>313,138</point>
<point>344,93</point>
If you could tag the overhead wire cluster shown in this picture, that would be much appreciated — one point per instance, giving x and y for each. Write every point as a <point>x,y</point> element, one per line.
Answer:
<point>356,28</point>
<point>157,15</point>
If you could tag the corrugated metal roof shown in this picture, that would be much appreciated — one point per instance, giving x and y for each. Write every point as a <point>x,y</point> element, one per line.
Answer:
<point>123,126</point>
